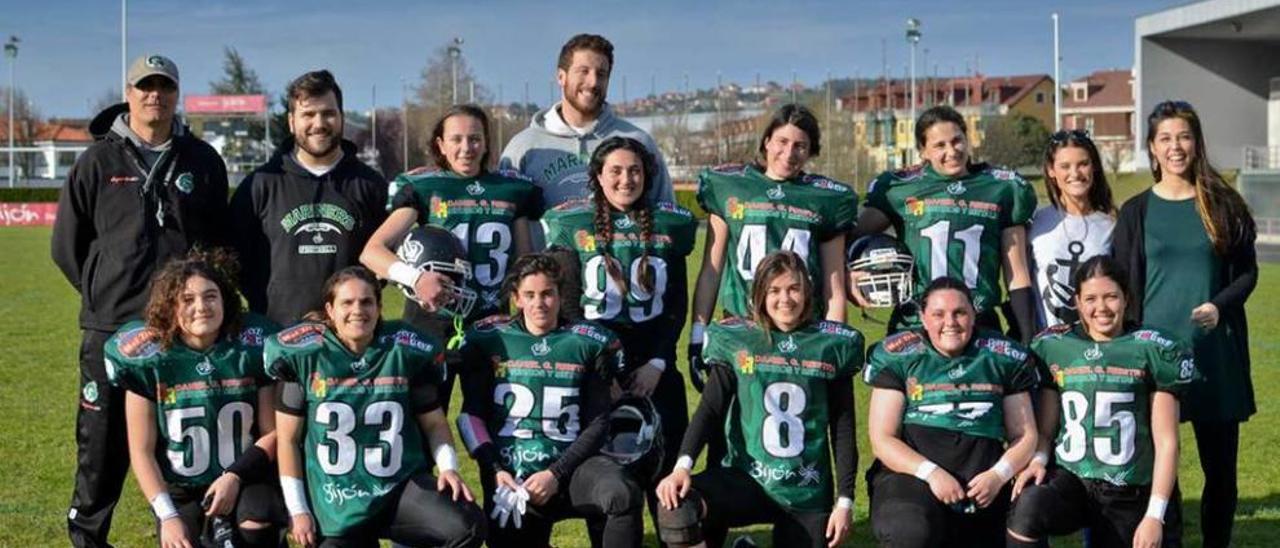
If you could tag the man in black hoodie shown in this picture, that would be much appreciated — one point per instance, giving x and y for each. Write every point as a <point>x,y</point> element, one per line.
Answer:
<point>145,192</point>
<point>308,211</point>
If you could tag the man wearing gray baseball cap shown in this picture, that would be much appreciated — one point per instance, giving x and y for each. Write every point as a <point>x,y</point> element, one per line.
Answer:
<point>145,192</point>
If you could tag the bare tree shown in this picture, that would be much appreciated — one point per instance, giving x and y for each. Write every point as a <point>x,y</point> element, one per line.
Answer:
<point>435,93</point>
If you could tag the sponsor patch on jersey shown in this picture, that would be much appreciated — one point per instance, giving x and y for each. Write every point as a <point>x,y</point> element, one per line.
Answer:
<point>576,204</point>
<point>138,343</point>
<point>914,206</point>
<point>910,173</point>
<point>590,332</point>
<point>915,390</point>
<point>513,174</point>
<point>673,208</point>
<point>1054,331</point>
<point>1001,347</point>
<point>438,208</point>
<point>1000,174</point>
<point>906,342</point>
<point>836,328</point>
<point>745,361</point>
<point>737,323</point>
<point>302,335</point>
<point>584,241</point>
<point>729,169</point>
<point>1153,336</point>
<point>819,181</point>
<point>735,208</point>
<point>252,336</point>
<point>404,337</point>
<point>489,323</point>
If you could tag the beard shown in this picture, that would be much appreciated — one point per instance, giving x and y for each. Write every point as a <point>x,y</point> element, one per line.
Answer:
<point>324,149</point>
<point>592,108</point>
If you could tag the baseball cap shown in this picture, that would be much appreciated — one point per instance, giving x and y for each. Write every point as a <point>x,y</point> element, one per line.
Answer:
<point>150,65</point>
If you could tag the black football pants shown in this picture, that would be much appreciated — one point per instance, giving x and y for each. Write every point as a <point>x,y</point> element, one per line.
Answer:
<point>102,453</point>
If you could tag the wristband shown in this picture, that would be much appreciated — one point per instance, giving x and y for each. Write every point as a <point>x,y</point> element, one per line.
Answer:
<point>1003,469</point>
<point>925,469</point>
<point>1156,507</point>
<point>1041,457</point>
<point>164,509</point>
<point>295,495</point>
<point>844,503</point>
<point>698,333</point>
<point>685,462</point>
<point>659,364</point>
<point>446,458</point>
<point>403,273</point>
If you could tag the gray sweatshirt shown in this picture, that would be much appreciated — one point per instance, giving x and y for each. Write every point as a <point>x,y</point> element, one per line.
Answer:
<point>556,155</point>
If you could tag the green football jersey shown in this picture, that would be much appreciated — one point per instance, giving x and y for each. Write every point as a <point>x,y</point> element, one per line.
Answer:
<point>480,211</point>
<point>572,225</point>
<point>1104,432</point>
<point>362,434</point>
<point>962,394</point>
<point>537,394</point>
<point>778,426</point>
<point>206,402</point>
<point>766,216</point>
<point>953,226</point>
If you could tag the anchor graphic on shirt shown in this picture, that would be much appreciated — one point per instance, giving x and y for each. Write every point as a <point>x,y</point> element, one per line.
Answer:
<point>1058,294</point>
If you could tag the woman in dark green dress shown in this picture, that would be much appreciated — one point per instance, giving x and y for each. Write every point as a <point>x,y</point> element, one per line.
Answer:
<point>1188,243</point>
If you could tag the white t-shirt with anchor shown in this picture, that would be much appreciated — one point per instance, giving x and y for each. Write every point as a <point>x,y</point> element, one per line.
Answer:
<point>1060,243</point>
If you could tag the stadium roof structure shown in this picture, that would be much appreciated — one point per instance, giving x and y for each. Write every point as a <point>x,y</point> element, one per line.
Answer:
<point>1220,56</point>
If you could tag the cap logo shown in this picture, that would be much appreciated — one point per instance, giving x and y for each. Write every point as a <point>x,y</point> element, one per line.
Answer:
<point>155,61</point>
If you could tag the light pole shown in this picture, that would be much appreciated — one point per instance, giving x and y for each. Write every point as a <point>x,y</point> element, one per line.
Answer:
<point>11,52</point>
<point>455,51</point>
<point>124,50</point>
<point>404,123</point>
<point>913,38</point>
<point>1057,83</point>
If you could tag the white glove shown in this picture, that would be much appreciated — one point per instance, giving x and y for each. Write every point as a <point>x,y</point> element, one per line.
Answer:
<point>509,505</point>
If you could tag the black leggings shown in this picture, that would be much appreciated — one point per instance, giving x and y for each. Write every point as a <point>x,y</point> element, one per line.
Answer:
<point>599,490</point>
<point>1219,446</point>
<point>419,516</point>
<point>258,502</point>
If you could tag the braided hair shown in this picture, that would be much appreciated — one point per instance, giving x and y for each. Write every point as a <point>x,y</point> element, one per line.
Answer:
<point>641,212</point>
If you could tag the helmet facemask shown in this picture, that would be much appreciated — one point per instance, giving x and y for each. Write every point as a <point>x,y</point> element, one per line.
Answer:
<point>889,278</point>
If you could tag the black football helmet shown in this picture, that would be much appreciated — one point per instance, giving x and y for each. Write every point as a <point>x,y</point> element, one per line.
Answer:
<point>889,267</point>
<point>633,437</point>
<point>433,249</point>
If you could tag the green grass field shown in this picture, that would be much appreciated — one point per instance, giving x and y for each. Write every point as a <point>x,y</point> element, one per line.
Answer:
<point>39,385</point>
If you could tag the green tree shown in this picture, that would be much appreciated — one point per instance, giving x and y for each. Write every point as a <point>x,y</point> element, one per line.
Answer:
<point>1015,141</point>
<point>237,77</point>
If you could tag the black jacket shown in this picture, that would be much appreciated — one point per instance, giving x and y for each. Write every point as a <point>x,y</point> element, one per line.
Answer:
<point>116,227</point>
<point>1239,274</point>
<point>293,229</point>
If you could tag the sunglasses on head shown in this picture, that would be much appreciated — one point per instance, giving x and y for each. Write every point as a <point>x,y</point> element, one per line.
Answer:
<point>1063,136</point>
<point>1174,105</point>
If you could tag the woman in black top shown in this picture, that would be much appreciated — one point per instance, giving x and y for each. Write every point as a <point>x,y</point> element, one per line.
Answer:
<point>1188,243</point>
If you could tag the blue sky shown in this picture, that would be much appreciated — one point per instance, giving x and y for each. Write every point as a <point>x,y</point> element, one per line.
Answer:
<point>71,48</point>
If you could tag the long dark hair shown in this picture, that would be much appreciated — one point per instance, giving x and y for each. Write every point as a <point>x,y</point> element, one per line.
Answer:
<point>773,265</point>
<point>437,133</point>
<point>1101,266</point>
<point>799,116</point>
<point>1221,208</point>
<point>218,266</point>
<point>640,212</point>
<point>1099,191</point>
<point>330,292</point>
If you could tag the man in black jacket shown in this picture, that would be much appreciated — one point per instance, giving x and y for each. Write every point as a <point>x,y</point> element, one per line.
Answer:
<point>308,211</point>
<point>145,192</point>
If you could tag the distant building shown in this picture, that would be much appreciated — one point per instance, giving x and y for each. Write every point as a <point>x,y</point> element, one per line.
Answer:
<point>1102,104</point>
<point>46,150</point>
<point>882,114</point>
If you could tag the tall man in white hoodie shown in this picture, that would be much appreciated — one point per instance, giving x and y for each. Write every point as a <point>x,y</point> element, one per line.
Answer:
<point>556,147</point>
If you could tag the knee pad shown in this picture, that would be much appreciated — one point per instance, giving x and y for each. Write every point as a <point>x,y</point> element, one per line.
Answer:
<point>682,525</point>
<point>619,497</point>
<point>1027,516</point>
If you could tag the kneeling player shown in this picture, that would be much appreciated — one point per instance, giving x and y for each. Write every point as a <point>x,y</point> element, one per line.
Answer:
<point>536,392</point>
<point>1117,436</point>
<point>363,392</point>
<point>782,386</point>
<point>195,385</point>
<point>944,402</point>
